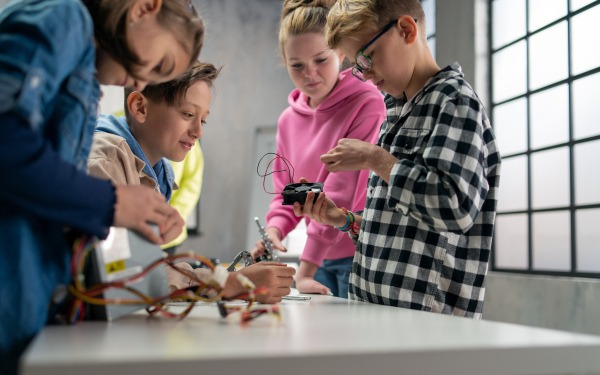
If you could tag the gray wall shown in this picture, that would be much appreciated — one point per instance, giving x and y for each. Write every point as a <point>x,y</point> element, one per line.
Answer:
<point>251,93</point>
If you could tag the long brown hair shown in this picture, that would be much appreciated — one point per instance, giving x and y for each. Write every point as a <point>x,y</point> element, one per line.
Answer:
<point>110,28</point>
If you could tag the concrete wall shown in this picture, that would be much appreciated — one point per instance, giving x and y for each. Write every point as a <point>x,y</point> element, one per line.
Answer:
<point>252,92</point>
<point>553,302</point>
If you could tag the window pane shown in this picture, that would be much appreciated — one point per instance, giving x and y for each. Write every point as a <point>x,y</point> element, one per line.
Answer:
<point>588,238</point>
<point>511,236</point>
<point>586,111</point>
<point>551,241</point>
<point>576,4</point>
<point>510,126</point>
<point>550,178</point>
<point>587,173</point>
<point>585,34</point>
<point>508,21</point>
<point>512,195</point>
<point>550,117</point>
<point>429,8</point>
<point>548,56</point>
<point>510,78</point>
<point>542,12</point>
<point>431,43</point>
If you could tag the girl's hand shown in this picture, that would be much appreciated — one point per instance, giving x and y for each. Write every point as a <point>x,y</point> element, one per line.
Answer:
<point>275,237</point>
<point>310,285</point>
<point>322,211</point>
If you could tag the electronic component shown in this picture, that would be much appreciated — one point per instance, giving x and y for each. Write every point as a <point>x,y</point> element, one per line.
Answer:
<point>122,254</point>
<point>269,254</point>
<point>297,192</point>
<point>243,255</point>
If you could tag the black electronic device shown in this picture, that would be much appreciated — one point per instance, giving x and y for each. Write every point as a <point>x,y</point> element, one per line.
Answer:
<point>297,192</point>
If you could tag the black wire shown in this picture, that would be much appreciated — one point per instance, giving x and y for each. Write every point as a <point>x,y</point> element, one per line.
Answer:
<point>283,170</point>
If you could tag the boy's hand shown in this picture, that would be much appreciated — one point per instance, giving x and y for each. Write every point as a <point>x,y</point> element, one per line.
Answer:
<point>276,277</point>
<point>275,237</point>
<point>172,227</point>
<point>322,211</point>
<point>137,206</point>
<point>349,155</point>
<point>310,285</point>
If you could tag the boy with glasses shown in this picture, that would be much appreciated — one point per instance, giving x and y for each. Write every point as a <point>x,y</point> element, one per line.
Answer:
<point>424,238</point>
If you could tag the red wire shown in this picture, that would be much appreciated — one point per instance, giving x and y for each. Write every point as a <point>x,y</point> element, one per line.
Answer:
<point>266,170</point>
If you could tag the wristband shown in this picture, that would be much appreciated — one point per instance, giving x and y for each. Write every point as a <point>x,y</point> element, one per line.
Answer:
<point>350,223</point>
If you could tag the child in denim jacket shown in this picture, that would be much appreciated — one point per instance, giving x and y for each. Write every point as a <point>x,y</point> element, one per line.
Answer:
<point>53,56</point>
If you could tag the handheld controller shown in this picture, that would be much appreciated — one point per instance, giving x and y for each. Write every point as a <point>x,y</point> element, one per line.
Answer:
<point>297,192</point>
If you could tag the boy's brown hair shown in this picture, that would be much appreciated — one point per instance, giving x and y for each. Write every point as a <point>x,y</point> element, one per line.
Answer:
<point>172,92</point>
<point>110,28</point>
<point>353,18</point>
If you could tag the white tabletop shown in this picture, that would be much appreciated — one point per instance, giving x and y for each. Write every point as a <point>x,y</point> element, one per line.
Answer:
<point>325,335</point>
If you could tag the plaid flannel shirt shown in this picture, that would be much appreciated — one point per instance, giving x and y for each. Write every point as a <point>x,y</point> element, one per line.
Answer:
<point>426,237</point>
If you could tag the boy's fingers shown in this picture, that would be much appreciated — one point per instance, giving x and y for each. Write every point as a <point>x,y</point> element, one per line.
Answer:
<point>303,180</point>
<point>164,208</point>
<point>147,232</point>
<point>155,218</point>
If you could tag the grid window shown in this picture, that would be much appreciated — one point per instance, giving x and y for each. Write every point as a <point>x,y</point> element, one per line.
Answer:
<point>545,74</point>
<point>511,241</point>
<point>429,9</point>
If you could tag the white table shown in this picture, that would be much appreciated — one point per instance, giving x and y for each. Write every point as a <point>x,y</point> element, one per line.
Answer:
<point>325,335</point>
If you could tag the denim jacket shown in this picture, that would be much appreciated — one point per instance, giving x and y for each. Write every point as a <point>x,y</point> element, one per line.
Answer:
<point>48,108</point>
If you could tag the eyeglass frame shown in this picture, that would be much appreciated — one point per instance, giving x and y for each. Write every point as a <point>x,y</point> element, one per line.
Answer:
<point>356,68</point>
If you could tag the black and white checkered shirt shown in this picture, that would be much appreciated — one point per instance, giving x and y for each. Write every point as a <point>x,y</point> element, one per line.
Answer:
<point>426,237</point>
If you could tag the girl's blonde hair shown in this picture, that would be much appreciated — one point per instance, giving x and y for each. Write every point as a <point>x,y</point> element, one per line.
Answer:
<point>354,18</point>
<point>300,17</point>
<point>110,28</point>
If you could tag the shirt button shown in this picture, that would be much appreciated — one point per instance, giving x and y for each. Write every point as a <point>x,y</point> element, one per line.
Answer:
<point>35,82</point>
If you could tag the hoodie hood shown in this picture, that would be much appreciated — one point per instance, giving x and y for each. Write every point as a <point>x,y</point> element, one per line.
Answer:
<point>343,89</point>
<point>162,172</point>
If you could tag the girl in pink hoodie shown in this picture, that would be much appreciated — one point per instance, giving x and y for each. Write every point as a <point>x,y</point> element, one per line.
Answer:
<point>326,106</point>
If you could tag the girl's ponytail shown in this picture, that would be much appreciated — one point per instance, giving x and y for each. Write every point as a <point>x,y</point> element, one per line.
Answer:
<point>301,17</point>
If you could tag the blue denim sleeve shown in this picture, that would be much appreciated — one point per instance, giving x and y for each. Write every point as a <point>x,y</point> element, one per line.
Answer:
<point>41,182</point>
<point>41,43</point>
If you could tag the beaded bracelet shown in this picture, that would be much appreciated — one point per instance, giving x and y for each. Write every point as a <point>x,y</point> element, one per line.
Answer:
<point>350,223</point>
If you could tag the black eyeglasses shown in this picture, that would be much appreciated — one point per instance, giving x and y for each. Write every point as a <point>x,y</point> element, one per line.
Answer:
<point>363,62</point>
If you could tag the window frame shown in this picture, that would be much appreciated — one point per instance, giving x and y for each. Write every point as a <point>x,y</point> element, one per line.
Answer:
<point>572,208</point>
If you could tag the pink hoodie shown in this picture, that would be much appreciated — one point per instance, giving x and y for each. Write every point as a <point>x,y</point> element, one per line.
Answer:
<point>354,109</point>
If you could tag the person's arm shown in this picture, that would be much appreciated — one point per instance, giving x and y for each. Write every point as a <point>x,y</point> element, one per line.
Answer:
<point>41,182</point>
<point>33,66</point>
<point>277,278</point>
<point>448,191</point>
<point>36,178</point>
